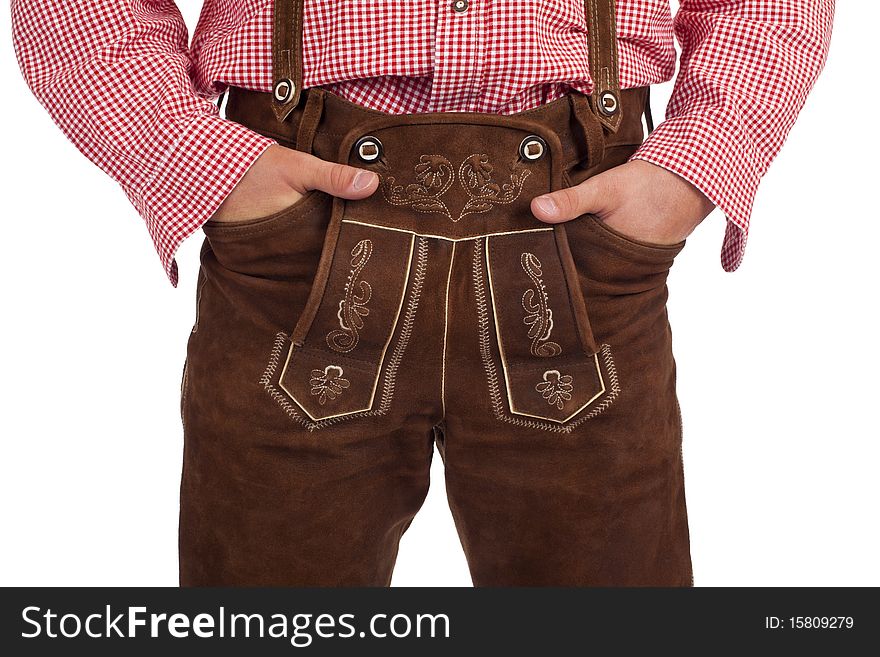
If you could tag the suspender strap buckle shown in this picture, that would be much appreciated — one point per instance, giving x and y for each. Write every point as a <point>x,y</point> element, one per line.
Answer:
<point>601,23</point>
<point>287,50</point>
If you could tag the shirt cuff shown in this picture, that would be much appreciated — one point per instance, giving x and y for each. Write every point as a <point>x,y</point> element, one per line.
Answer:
<point>201,169</point>
<point>712,153</point>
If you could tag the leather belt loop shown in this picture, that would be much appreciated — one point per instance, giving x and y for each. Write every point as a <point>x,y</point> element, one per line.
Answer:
<point>589,122</point>
<point>287,68</point>
<point>649,118</point>
<point>311,116</point>
<point>601,23</point>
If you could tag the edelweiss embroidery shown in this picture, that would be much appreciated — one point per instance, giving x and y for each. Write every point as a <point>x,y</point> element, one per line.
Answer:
<point>328,384</point>
<point>434,175</point>
<point>556,388</point>
<point>353,306</point>
<point>539,316</point>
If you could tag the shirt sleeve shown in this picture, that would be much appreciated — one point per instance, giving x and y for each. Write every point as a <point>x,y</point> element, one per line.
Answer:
<point>745,71</point>
<point>116,78</point>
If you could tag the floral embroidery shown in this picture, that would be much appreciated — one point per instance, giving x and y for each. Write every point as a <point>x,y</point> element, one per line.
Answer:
<point>328,384</point>
<point>475,175</point>
<point>556,388</point>
<point>353,306</point>
<point>501,400</point>
<point>291,407</point>
<point>539,316</point>
<point>434,174</point>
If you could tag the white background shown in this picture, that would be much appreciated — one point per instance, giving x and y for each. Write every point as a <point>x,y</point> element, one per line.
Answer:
<point>778,363</point>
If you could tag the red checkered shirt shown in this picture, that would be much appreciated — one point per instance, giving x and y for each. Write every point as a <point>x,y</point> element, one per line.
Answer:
<point>124,84</point>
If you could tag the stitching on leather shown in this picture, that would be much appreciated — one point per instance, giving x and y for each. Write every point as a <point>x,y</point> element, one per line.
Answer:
<point>276,36</point>
<point>328,384</point>
<point>446,333</point>
<point>434,176</point>
<point>390,377</point>
<point>296,46</point>
<point>353,361</point>
<point>432,172</point>
<point>353,306</point>
<point>594,53</point>
<point>612,40</point>
<point>269,223</point>
<point>623,242</point>
<point>556,388</point>
<point>203,278</point>
<point>484,193</point>
<point>539,315</point>
<point>184,386</point>
<point>491,371</point>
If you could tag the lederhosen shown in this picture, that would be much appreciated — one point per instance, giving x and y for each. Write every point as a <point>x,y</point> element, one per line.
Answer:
<point>337,342</point>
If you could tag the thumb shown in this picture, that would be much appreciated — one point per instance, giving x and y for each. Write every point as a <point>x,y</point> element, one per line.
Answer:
<point>337,179</point>
<point>591,196</point>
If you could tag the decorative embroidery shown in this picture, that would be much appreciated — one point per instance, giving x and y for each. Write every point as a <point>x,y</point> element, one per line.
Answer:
<point>556,388</point>
<point>493,377</point>
<point>390,379</point>
<point>328,384</point>
<point>353,306</point>
<point>539,316</point>
<point>435,174</point>
<point>475,175</point>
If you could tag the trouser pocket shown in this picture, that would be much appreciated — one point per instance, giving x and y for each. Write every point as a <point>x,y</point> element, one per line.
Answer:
<point>554,372</point>
<point>336,351</point>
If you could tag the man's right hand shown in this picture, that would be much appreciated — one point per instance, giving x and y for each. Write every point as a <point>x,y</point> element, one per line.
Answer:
<point>280,177</point>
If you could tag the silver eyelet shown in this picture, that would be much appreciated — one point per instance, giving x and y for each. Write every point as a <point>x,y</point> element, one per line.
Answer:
<point>284,90</point>
<point>368,148</point>
<point>608,103</point>
<point>532,148</point>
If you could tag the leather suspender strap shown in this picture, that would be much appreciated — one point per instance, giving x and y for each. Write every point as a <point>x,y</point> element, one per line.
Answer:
<point>287,68</point>
<point>600,112</point>
<point>601,19</point>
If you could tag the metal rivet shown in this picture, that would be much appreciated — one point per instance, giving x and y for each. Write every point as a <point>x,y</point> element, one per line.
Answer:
<point>608,103</point>
<point>284,90</point>
<point>368,148</point>
<point>460,5</point>
<point>532,148</point>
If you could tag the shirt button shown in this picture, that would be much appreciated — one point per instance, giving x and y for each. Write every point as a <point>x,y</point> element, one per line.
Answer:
<point>460,5</point>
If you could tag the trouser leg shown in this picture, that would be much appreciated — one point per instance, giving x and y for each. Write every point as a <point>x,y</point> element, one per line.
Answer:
<point>270,496</point>
<point>596,500</point>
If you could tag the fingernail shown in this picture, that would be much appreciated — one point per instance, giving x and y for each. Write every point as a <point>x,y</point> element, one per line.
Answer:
<point>547,205</point>
<point>362,180</point>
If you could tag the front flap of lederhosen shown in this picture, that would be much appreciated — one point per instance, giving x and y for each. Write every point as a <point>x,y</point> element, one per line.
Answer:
<point>339,346</point>
<point>551,362</point>
<point>549,358</point>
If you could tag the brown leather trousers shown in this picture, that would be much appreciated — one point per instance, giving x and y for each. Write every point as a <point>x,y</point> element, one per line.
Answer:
<point>337,342</point>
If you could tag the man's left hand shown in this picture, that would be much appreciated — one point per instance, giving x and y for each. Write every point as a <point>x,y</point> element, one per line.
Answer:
<point>639,199</point>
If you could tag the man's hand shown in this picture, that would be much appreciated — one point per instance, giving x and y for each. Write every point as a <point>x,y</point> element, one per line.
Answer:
<point>281,176</point>
<point>638,199</point>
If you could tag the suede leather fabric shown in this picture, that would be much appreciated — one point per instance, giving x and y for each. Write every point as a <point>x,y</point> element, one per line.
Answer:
<point>337,343</point>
